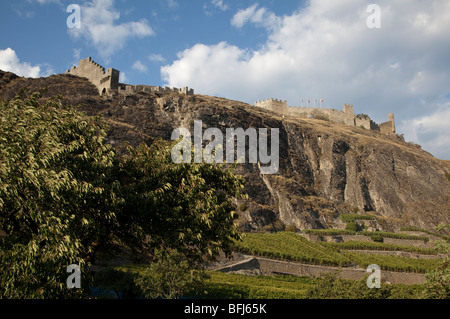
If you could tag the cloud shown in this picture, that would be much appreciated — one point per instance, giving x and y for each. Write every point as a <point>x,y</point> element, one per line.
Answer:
<point>99,26</point>
<point>325,50</point>
<point>156,58</point>
<point>139,66</point>
<point>220,5</point>
<point>215,5</point>
<point>431,131</point>
<point>10,62</point>
<point>47,1</point>
<point>122,77</point>
<point>260,17</point>
<point>172,4</point>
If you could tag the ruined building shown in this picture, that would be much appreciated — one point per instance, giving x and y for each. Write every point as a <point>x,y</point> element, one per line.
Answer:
<point>107,81</point>
<point>346,116</point>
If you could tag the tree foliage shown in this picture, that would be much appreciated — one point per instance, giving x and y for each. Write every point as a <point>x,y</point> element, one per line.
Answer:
<point>64,194</point>
<point>185,207</point>
<point>56,203</point>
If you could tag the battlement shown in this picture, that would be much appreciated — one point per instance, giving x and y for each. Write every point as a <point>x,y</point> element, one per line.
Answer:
<point>346,116</point>
<point>107,80</point>
<point>126,89</point>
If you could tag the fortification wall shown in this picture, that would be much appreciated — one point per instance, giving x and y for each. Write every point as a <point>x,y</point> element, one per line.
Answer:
<point>275,105</point>
<point>364,122</point>
<point>104,80</point>
<point>346,116</point>
<point>386,128</point>
<point>126,89</point>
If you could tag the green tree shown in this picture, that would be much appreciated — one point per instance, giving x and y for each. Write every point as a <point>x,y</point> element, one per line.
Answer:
<point>56,202</point>
<point>65,195</point>
<point>182,207</point>
<point>169,276</point>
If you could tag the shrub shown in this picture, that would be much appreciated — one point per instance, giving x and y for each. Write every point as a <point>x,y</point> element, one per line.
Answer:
<point>351,226</point>
<point>377,238</point>
<point>291,228</point>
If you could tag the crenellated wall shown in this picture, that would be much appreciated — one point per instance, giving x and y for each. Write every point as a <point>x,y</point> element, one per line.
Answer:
<point>346,116</point>
<point>104,80</point>
<point>125,89</point>
<point>107,81</point>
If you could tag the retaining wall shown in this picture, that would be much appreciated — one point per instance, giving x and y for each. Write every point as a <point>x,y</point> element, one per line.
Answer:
<point>271,266</point>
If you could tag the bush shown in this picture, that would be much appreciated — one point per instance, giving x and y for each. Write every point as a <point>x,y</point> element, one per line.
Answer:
<point>243,207</point>
<point>377,238</point>
<point>351,226</point>
<point>291,228</point>
<point>352,217</point>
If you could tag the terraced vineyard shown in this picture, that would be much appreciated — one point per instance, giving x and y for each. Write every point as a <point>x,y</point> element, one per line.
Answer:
<point>290,246</point>
<point>338,232</point>
<point>235,286</point>
<point>363,245</point>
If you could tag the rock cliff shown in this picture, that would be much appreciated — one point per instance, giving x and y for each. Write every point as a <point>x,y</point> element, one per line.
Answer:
<point>326,169</point>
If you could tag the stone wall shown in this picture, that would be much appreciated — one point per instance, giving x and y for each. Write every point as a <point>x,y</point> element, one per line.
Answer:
<point>104,80</point>
<point>107,81</point>
<point>267,266</point>
<point>126,89</point>
<point>346,116</point>
<point>389,126</point>
<point>275,105</point>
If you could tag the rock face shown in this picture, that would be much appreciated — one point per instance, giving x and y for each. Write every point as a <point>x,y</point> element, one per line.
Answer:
<point>326,169</point>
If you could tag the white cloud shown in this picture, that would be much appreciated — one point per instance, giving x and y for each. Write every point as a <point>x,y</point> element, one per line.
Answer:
<point>213,6</point>
<point>47,1</point>
<point>139,66</point>
<point>325,50</point>
<point>10,62</point>
<point>172,4</point>
<point>123,77</point>
<point>261,17</point>
<point>220,5</point>
<point>99,26</point>
<point>156,58</point>
<point>431,131</point>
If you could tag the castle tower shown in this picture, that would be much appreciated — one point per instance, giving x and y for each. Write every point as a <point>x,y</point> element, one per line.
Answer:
<point>349,115</point>
<point>392,120</point>
<point>105,80</point>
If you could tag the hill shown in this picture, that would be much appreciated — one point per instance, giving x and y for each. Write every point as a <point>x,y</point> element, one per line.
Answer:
<point>326,169</point>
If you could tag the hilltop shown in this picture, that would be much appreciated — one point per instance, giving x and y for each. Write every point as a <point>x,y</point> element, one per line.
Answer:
<point>326,169</point>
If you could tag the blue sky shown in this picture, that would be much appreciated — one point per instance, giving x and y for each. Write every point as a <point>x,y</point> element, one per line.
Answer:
<point>251,50</point>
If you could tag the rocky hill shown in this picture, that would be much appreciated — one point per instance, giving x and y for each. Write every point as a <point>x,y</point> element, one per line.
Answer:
<point>326,169</point>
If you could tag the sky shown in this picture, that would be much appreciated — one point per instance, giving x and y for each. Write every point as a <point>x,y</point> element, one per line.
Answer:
<point>391,58</point>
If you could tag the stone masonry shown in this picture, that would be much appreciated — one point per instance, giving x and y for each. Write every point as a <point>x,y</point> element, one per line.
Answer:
<point>107,81</point>
<point>346,116</point>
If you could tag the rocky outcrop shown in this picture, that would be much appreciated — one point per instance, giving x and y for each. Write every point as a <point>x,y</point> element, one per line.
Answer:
<point>326,169</point>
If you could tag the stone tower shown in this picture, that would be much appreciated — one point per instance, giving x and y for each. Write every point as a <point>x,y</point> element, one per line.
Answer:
<point>105,80</point>
<point>392,121</point>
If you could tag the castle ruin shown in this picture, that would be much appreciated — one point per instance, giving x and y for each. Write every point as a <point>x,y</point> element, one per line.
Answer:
<point>107,81</point>
<point>346,116</point>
